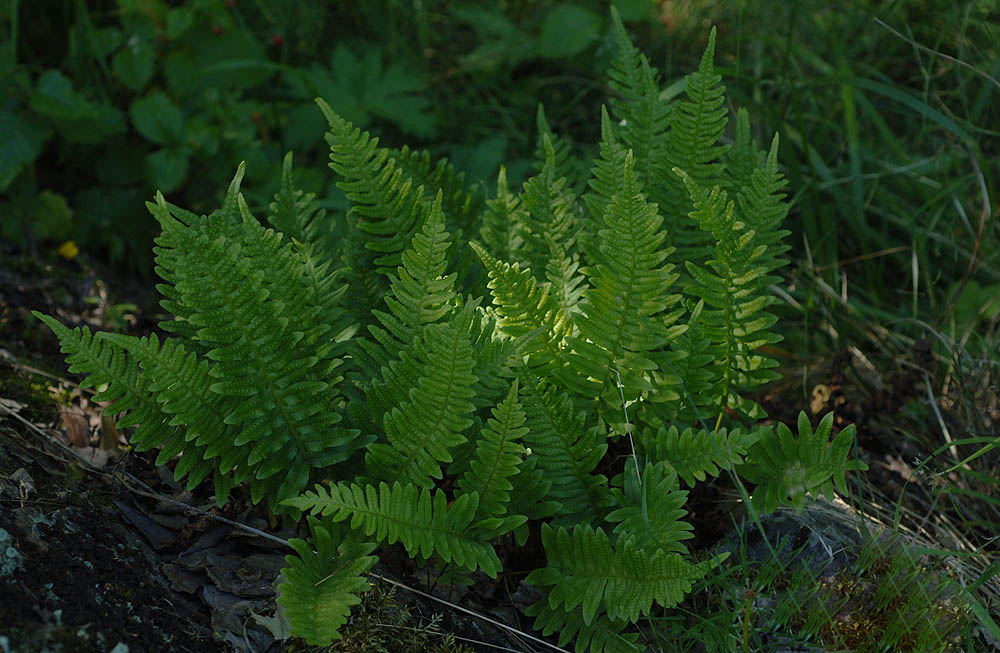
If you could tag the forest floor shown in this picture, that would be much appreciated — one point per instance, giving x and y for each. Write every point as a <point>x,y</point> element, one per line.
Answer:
<point>100,549</point>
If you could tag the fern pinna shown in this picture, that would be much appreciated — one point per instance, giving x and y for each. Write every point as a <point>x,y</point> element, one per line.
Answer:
<point>423,415</point>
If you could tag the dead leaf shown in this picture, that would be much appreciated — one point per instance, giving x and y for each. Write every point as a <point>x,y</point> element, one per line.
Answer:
<point>76,426</point>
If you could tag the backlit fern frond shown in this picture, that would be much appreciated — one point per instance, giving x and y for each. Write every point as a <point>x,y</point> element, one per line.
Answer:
<point>321,585</point>
<point>695,454</point>
<point>628,313</point>
<point>601,635</point>
<point>787,468</point>
<point>425,523</point>
<point>692,144</point>
<point>527,310</point>
<point>646,117</point>
<point>733,285</point>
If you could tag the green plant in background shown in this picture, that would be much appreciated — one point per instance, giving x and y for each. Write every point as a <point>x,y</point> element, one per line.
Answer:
<point>108,101</point>
<point>525,404</point>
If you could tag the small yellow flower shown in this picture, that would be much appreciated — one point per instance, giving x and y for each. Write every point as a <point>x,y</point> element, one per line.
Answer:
<point>68,250</point>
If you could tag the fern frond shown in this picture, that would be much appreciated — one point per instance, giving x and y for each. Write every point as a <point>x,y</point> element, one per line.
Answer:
<point>423,428</point>
<point>627,314</point>
<point>645,115</point>
<point>321,585</point>
<point>107,364</point>
<point>566,453</point>
<point>527,310</point>
<point>503,221</point>
<point>692,144</point>
<point>461,204</point>
<point>243,291</point>
<point>695,454</point>
<point>422,293</point>
<point>652,514</point>
<point>787,468</point>
<point>497,458</point>
<point>622,580</point>
<point>733,284</point>
<point>566,166</point>
<point>385,203</point>
<point>299,216</point>
<point>425,524</point>
<point>549,212</point>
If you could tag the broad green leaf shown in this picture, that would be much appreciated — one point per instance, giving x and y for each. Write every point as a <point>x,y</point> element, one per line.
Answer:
<point>22,143</point>
<point>133,64</point>
<point>568,30</point>
<point>158,119</point>
<point>166,168</point>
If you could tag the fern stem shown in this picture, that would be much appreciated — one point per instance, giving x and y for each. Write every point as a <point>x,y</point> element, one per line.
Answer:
<point>628,427</point>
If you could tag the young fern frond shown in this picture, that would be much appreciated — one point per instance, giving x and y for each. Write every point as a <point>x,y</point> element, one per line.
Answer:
<point>425,523</point>
<point>787,468</point>
<point>565,165</point>
<point>321,585</point>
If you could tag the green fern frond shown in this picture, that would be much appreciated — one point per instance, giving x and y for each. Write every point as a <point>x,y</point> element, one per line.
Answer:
<point>733,285</point>
<point>422,293</point>
<point>652,512</point>
<point>566,166</point>
<point>549,212</point>
<point>622,580</point>
<point>461,204</point>
<point>299,216</point>
<point>566,453</point>
<point>695,454</point>
<point>787,468</point>
<point>692,144</point>
<point>604,182</point>
<point>527,310</point>
<point>503,221</point>
<point>384,202</point>
<point>627,314</point>
<point>425,524</point>
<point>638,104</point>
<point>498,457</point>
<point>424,427</point>
<point>107,364</point>
<point>321,585</point>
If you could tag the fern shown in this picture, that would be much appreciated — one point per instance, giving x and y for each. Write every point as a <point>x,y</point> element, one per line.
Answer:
<point>425,524</point>
<point>353,359</point>
<point>321,585</point>
<point>787,468</point>
<point>622,581</point>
